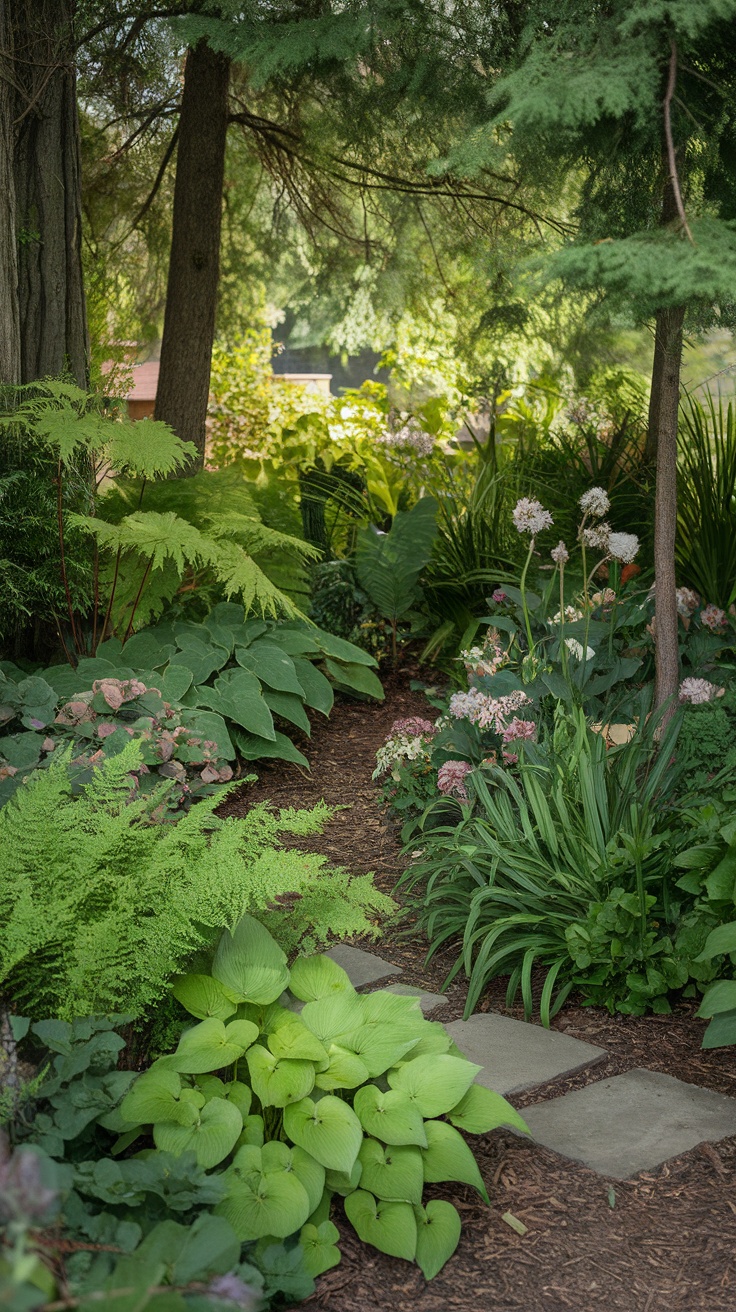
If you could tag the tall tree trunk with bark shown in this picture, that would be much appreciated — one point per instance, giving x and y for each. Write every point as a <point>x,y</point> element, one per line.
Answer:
<point>9,326</point>
<point>669,327</point>
<point>194,265</point>
<point>53,320</point>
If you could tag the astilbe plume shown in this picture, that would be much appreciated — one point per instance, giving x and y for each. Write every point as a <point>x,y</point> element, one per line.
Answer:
<point>713,618</point>
<point>697,691</point>
<point>451,779</point>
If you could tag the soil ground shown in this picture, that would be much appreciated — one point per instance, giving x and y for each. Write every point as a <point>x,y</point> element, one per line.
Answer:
<point>664,1241</point>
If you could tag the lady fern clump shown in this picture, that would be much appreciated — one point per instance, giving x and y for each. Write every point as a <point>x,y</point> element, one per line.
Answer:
<point>101,905</point>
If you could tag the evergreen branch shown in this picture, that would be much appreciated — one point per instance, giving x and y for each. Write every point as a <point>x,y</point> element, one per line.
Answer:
<point>671,157</point>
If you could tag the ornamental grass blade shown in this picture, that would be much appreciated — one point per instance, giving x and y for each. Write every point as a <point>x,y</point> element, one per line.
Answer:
<point>438,1235</point>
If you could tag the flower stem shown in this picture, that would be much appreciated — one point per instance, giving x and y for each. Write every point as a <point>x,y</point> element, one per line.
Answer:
<point>522,589</point>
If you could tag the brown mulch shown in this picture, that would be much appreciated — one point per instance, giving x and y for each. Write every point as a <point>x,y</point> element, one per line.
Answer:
<point>664,1241</point>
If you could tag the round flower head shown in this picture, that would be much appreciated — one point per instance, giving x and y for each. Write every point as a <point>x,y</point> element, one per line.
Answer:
<point>597,536</point>
<point>595,502</point>
<point>688,601</point>
<point>530,517</point>
<point>697,691</point>
<point>713,617</point>
<point>451,779</point>
<point>623,547</point>
<point>560,553</point>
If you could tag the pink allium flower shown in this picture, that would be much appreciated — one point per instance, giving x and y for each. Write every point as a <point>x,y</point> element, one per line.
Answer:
<point>560,553</point>
<point>713,618</point>
<point>688,601</point>
<point>413,725</point>
<point>519,729</point>
<point>450,779</point>
<point>530,517</point>
<point>499,595</point>
<point>697,691</point>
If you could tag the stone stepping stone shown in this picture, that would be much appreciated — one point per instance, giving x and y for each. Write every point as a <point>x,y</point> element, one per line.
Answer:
<point>362,967</point>
<point>427,1001</point>
<point>631,1122</point>
<point>516,1055</point>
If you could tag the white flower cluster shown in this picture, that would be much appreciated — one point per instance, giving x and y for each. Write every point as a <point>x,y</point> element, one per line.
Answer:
<point>530,517</point>
<point>571,615</point>
<point>595,502</point>
<point>576,648</point>
<point>560,553</point>
<point>487,712</point>
<point>400,747</point>
<point>409,437</point>
<point>486,659</point>
<point>597,536</point>
<point>623,547</point>
<point>697,691</point>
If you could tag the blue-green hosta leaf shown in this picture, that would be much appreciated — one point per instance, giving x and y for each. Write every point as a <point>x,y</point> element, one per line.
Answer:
<point>211,1248</point>
<point>211,1045</point>
<point>318,977</point>
<point>389,1227</point>
<point>145,651</point>
<point>293,1039</point>
<point>393,1173</point>
<point>721,1032</point>
<point>341,649</point>
<point>280,748</point>
<point>356,677</point>
<point>721,939</point>
<point>209,726</point>
<point>211,1137</point>
<point>204,996</point>
<point>241,695</point>
<point>344,1070</point>
<point>319,1244</point>
<point>438,1235</point>
<point>318,691</point>
<point>447,1157</point>
<point>328,1130</point>
<point>435,1084</point>
<point>390,1117</point>
<point>289,707</point>
<point>720,996</point>
<point>268,1203</point>
<point>334,1017</point>
<point>278,1081</point>
<point>175,681</point>
<point>155,1096</point>
<point>481,1110</point>
<point>250,963</point>
<point>271,665</point>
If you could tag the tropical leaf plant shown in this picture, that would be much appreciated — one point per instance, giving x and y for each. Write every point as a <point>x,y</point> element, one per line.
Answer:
<point>706,499</point>
<point>389,565</point>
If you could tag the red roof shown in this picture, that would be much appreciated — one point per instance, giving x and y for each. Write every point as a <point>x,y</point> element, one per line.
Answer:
<point>145,382</point>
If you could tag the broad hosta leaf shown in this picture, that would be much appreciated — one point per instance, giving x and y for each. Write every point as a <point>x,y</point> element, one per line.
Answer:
<point>721,1032</point>
<point>434,1084</point>
<point>278,1081</point>
<point>435,1039</point>
<point>271,665</point>
<point>341,649</point>
<point>379,1047</point>
<point>344,1182</point>
<point>356,677</point>
<point>328,1130</point>
<point>241,698</point>
<point>395,1009</point>
<point>318,692</point>
<point>447,1157</point>
<point>201,661</point>
<point>310,1172</point>
<point>481,1110</point>
<point>319,1244</point>
<point>252,1132</point>
<point>174,682</point>
<point>718,997</point>
<point>390,1117</point>
<point>250,963</point>
<point>393,1173</point>
<point>318,977</point>
<point>211,1137</point>
<point>145,650</point>
<point>334,1017</point>
<point>389,1227</point>
<point>438,1235</point>
<point>344,1070</point>
<point>155,1096</point>
<point>203,996</point>
<point>209,726</point>
<point>289,707</point>
<point>211,1045</point>
<point>294,1040</point>
<point>258,1204</point>
<point>722,939</point>
<point>211,1247</point>
<point>281,748</point>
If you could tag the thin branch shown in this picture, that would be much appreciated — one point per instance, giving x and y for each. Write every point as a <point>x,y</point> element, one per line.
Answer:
<point>148,202</point>
<point>671,157</point>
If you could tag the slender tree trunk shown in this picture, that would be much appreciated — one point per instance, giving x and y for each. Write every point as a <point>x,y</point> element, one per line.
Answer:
<point>194,265</point>
<point>53,320</point>
<point>9,325</point>
<point>669,327</point>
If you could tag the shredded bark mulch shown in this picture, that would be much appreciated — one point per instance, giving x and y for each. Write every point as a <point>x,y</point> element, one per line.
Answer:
<point>664,1241</point>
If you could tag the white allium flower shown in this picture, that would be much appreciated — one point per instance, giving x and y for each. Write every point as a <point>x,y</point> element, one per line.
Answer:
<point>623,547</point>
<point>410,437</point>
<point>597,536</point>
<point>530,517</point>
<point>560,553</point>
<point>576,648</point>
<point>595,502</point>
<point>571,614</point>
<point>697,691</point>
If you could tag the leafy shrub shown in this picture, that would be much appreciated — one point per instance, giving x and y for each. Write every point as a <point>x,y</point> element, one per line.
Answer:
<point>719,1003</point>
<point>100,904</point>
<point>389,565</point>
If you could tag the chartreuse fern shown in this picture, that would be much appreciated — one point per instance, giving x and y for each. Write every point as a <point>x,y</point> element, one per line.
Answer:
<point>100,905</point>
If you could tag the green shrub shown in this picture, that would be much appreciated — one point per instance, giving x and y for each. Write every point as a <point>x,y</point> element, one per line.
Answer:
<point>100,905</point>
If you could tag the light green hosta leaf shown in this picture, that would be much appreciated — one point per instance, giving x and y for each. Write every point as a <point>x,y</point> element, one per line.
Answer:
<point>328,1130</point>
<point>435,1084</point>
<point>240,1096</point>
<point>318,977</point>
<point>334,1017</point>
<point>250,963</point>
<point>482,1110</point>
<point>295,1040</point>
<point>210,1138</point>
<point>389,1227</point>
<point>435,1039</point>
<point>318,691</point>
<point>447,1157</point>
<point>211,1045</point>
<point>438,1235</point>
<point>319,1247</point>
<point>392,1173</point>
<point>155,1096</point>
<point>275,1203</point>
<point>396,1009</point>
<point>211,1086</point>
<point>379,1048</point>
<point>252,1133</point>
<point>311,1174</point>
<point>344,1070</point>
<point>344,1182</point>
<point>203,996</point>
<point>267,1018</point>
<point>390,1117</point>
<point>278,1081</point>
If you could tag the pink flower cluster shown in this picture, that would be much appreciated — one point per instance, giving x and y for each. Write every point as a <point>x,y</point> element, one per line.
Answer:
<point>451,779</point>
<point>487,712</point>
<point>515,731</point>
<point>697,691</point>
<point>412,724</point>
<point>713,618</point>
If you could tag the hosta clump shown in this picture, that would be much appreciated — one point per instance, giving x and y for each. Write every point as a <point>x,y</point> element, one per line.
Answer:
<point>356,1095</point>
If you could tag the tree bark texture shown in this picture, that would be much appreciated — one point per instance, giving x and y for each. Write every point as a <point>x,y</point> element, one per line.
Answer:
<point>669,331</point>
<point>9,323</point>
<point>194,264</point>
<point>52,312</point>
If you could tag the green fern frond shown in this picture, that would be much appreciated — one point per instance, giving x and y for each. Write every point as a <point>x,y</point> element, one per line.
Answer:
<point>257,537</point>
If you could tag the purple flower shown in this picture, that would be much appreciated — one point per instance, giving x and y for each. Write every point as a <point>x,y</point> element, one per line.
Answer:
<point>713,617</point>
<point>450,779</point>
<point>499,595</point>
<point>37,724</point>
<point>413,725</point>
<point>231,1289</point>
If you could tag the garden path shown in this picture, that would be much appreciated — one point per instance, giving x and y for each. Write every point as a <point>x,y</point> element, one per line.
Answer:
<point>632,1236</point>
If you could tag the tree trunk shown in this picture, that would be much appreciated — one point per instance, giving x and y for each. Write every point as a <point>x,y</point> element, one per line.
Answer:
<point>194,265</point>
<point>9,326</point>
<point>669,331</point>
<point>52,312</point>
